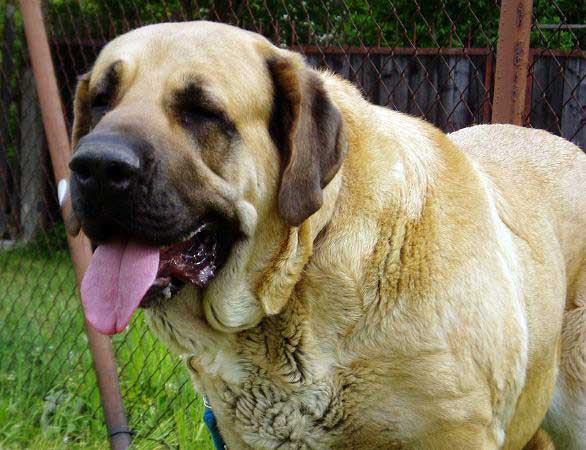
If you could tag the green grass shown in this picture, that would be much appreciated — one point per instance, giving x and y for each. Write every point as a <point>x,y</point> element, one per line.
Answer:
<point>48,397</point>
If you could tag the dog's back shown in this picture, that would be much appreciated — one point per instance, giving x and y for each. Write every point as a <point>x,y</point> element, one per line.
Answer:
<point>540,179</point>
<point>525,185</point>
<point>536,171</point>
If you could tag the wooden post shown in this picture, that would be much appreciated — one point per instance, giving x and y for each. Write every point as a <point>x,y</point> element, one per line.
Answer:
<point>79,247</point>
<point>512,60</point>
<point>32,158</point>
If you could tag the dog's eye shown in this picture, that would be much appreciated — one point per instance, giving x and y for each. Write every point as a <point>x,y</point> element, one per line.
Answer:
<point>198,116</point>
<point>99,106</point>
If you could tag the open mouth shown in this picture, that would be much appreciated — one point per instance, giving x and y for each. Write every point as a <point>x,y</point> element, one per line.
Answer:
<point>195,260</point>
<point>125,274</point>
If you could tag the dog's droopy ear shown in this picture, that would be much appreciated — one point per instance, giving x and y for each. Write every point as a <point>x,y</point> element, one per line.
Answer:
<point>82,122</point>
<point>309,132</point>
<point>82,118</point>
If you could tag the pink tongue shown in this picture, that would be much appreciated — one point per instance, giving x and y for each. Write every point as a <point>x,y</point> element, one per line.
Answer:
<point>118,277</point>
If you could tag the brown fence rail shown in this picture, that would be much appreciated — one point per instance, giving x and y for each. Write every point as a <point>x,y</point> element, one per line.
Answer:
<point>450,87</point>
<point>436,60</point>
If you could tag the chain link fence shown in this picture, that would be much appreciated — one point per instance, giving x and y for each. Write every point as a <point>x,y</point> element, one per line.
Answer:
<point>556,97</point>
<point>430,59</point>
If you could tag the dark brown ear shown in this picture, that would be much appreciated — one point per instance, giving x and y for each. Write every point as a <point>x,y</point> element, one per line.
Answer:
<point>82,122</point>
<point>308,130</point>
<point>82,118</point>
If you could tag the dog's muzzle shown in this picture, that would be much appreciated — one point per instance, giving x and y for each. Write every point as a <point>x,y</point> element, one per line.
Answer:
<point>149,242</point>
<point>119,186</point>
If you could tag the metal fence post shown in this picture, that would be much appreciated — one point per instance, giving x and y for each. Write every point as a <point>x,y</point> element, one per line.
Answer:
<point>59,149</point>
<point>512,59</point>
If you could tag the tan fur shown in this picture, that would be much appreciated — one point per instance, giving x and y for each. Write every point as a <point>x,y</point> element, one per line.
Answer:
<point>540,441</point>
<point>436,300</point>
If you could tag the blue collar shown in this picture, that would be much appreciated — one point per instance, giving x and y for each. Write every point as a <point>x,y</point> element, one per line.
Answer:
<point>210,420</point>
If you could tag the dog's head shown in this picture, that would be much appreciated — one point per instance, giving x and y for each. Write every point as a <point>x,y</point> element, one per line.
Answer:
<point>200,152</point>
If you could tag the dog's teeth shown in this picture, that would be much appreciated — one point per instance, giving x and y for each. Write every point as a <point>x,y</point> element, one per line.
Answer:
<point>190,235</point>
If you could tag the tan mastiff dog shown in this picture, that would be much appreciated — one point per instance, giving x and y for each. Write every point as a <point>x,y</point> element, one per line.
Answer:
<point>337,274</point>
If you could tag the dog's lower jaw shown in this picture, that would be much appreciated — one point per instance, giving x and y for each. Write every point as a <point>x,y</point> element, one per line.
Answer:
<point>228,304</point>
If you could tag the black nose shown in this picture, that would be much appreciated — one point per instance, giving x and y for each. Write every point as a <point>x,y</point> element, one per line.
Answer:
<point>105,164</point>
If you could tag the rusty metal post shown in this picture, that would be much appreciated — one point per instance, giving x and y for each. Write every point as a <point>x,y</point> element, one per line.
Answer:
<point>79,247</point>
<point>512,59</point>
<point>487,106</point>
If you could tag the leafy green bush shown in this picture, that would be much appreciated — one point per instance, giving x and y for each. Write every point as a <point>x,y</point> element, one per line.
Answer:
<point>398,23</point>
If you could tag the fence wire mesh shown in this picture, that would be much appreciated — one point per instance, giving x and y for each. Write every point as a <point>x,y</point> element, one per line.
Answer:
<point>430,59</point>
